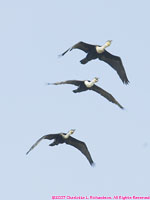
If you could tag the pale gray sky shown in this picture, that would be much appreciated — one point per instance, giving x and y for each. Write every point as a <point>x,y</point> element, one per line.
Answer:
<point>32,35</point>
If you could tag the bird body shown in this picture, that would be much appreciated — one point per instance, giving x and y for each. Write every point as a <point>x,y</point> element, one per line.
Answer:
<point>89,85</point>
<point>97,51</point>
<point>61,138</point>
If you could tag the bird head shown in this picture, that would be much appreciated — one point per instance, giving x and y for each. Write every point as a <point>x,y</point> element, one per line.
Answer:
<point>72,131</point>
<point>108,43</point>
<point>96,79</point>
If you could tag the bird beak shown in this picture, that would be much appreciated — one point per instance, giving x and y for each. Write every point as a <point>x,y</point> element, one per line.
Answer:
<point>97,78</point>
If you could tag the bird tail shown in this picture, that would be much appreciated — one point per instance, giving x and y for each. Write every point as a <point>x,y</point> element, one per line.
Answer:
<point>84,61</point>
<point>53,144</point>
<point>34,145</point>
<point>75,91</point>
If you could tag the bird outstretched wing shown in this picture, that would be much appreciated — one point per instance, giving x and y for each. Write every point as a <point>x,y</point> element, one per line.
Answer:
<point>105,94</point>
<point>116,63</point>
<point>72,82</point>
<point>49,137</point>
<point>81,146</point>
<point>80,45</point>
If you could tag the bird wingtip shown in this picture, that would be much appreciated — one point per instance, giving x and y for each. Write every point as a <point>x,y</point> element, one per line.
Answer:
<point>118,104</point>
<point>93,164</point>
<point>60,55</point>
<point>49,83</point>
<point>126,81</point>
<point>121,107</point>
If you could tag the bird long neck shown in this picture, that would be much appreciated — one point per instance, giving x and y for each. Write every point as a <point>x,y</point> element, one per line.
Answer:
<point>102,48</point>
<point>90,83</point>
<point>107,44</point>
<point>67,135</point>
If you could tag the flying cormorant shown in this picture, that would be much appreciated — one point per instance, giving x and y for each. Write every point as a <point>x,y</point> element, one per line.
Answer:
<point>89,85</point>
<point>97,51</point>
<point>61,138</point>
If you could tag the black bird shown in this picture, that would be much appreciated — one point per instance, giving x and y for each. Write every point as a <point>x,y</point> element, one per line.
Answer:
<point>89,85</point>
<point>96,51</point>
<point>61,138</point>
